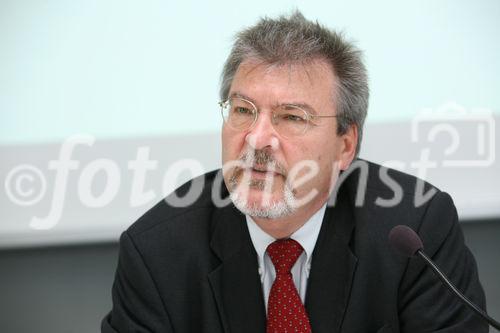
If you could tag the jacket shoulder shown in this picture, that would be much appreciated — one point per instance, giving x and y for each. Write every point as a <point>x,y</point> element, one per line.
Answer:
<point>189,202</point>
<point>383,179</point>
<point>390,197</point>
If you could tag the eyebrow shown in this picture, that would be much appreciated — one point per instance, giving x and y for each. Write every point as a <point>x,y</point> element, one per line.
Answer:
<point>301,105</point>
<point>238,94</point>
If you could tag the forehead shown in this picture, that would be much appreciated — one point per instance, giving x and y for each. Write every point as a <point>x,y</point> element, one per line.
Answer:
<point>312,81</point>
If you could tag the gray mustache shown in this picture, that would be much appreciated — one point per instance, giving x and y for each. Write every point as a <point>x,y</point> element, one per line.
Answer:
<point>262,157</point>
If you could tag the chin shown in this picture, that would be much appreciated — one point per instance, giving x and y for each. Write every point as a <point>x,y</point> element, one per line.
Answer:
<point>257,205</point>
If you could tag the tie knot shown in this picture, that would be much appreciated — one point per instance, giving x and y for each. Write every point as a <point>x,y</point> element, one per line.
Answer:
<point>284,253</point>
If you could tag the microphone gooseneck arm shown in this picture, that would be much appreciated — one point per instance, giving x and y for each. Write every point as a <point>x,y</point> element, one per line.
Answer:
<point>454,290</point>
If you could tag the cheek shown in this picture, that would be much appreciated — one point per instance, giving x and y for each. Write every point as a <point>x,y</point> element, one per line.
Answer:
<point>232,144</point>
<point>295,153</point>
<point>325,158</point>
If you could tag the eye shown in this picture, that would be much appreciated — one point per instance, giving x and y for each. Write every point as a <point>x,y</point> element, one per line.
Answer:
<point>291,114</point>
<point>240,110</point>
<point>293,117</point>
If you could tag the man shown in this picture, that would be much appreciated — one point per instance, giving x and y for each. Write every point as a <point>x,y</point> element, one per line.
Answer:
<point>294,239</point>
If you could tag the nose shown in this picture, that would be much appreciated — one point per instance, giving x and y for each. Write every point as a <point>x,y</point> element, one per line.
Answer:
<point>263,135</point>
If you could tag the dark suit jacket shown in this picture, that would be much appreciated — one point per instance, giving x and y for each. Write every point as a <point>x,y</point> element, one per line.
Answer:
<point>194,269</point>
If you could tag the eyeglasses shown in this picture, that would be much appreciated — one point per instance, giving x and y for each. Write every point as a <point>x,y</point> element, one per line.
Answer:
<point>287,119</point>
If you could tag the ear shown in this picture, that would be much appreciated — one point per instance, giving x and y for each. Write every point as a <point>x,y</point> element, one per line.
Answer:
<point>349,143</point>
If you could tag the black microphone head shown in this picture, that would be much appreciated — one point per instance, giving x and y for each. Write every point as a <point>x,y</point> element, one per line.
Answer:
<point>405,240</point>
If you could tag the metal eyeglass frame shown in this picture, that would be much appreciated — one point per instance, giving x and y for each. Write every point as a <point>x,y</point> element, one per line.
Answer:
<point>309,116</point>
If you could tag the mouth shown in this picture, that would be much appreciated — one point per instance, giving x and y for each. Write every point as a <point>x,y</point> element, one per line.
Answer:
<point>261,172</point>
<point>260,168</point>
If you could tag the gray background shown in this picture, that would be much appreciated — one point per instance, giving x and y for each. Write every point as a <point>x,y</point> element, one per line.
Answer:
<point>475,190</point>
<point>67,289</point>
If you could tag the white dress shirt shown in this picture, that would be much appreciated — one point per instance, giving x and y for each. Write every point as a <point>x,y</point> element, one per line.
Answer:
<point>306,236</point>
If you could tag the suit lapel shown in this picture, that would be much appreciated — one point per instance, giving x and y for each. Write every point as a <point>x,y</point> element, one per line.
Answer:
<point>236,283</point>
<point>332,270</point>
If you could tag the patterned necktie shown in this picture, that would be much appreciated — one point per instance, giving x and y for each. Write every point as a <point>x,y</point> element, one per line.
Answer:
<point>285,311</point>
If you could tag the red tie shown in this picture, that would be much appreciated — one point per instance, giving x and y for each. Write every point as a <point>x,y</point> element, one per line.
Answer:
<point>285,311</point>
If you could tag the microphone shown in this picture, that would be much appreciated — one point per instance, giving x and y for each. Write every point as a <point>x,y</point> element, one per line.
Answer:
<point>408,243</point>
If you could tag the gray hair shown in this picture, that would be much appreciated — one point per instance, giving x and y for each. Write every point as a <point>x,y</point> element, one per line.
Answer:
<point>294,39</point>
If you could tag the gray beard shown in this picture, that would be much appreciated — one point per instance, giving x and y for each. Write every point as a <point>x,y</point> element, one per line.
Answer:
<point>272,210</point>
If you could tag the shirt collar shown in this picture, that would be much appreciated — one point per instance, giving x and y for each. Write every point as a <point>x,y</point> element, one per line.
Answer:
<point>306,235</point>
